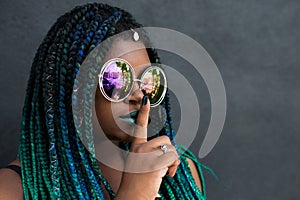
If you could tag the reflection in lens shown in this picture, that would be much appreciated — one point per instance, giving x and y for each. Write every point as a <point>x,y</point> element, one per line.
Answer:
<point>117,80</point>
<point>154,85</point>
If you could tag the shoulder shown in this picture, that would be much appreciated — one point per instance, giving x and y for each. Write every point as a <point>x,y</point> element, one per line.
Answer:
<point>195,173</point>
<point>10,183</point>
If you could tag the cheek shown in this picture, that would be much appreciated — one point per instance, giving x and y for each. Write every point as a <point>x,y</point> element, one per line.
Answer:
<point>107,113</point>
<point>103,110</point>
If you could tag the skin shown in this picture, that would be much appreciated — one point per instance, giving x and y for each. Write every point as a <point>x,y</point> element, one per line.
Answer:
<point>126,185</point>
<point>130,185</point>
<point>113,127</point>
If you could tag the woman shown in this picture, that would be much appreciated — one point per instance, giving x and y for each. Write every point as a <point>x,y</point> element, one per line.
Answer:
<point>55,162</point>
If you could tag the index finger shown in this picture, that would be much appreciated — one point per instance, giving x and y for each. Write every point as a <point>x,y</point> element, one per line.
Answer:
<point>140,131</point>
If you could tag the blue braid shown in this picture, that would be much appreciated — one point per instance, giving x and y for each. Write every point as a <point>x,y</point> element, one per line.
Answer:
<point>55,162</point>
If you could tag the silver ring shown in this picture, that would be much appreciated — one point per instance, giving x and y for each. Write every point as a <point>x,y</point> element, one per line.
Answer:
<point>164,148</point>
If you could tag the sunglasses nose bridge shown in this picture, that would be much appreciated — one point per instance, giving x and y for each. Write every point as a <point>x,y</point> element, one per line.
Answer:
<point>138,82</point>
<point>136,94</point>
<point>139,85</point>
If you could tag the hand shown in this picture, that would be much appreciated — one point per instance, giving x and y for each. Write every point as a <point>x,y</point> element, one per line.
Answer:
<point>146,165</point>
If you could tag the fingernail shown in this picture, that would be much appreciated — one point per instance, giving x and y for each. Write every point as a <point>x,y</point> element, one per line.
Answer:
<point>144,92</point>
<point>144,100</point>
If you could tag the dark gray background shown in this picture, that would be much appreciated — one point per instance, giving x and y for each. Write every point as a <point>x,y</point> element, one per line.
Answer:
<point>254,43</point>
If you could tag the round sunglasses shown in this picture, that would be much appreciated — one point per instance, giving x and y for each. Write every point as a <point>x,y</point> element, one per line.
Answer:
<point>117,77</point>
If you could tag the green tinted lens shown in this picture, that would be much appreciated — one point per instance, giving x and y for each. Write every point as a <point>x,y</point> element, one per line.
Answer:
<point>154,84</point>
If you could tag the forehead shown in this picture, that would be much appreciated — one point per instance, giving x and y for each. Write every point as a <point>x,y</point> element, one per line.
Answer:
<point>133,52</point>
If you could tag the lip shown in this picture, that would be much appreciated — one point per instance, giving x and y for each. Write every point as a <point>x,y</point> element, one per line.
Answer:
<point>130,117</point>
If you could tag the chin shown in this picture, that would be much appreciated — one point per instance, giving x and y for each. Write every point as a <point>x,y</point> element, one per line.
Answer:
<point>119,136</point>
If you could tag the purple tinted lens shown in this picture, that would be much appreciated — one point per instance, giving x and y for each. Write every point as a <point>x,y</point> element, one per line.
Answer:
<point>117,80</point>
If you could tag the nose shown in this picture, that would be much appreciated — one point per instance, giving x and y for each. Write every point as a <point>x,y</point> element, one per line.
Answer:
<point>136,95</point>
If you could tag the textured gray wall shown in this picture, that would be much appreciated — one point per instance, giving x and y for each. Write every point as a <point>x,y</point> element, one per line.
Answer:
<point>254,44</point>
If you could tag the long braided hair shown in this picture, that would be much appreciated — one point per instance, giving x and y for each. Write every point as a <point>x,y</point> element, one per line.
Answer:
<point>55,163</point>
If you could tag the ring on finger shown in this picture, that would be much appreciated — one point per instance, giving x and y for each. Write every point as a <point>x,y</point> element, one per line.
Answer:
<point>164,148</point>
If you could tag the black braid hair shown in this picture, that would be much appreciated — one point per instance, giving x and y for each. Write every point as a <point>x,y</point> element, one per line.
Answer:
<point>55,164</point>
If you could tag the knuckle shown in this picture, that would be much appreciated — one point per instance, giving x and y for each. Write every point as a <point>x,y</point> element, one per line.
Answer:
<point>172,148</point>
<point>176,163</point>
<point>135,148</point>
<point>171,156</point>
<point>166,139</point>
<point>139,149</point>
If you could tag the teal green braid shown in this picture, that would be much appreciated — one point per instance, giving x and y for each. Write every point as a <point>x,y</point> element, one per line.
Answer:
<point>55,163</point>
<point>182,185</point>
